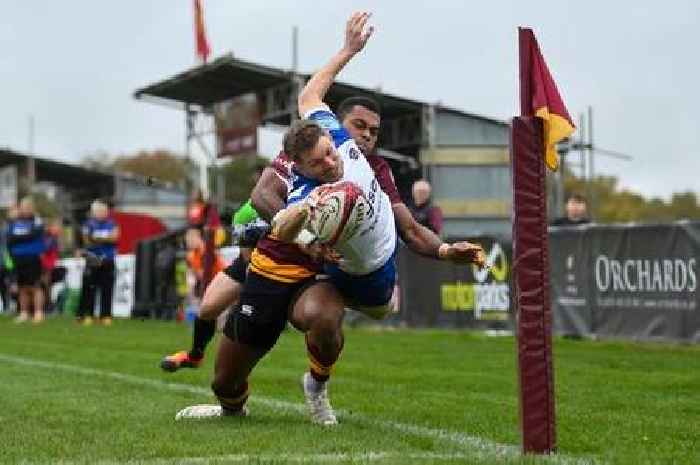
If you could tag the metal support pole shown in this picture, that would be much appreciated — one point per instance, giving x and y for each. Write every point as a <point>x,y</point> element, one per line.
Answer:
<point>31,164</point>
<point>560,191</point>
<point>428,137</point>
<point>297,86</point>
<point>592,201</point>
<point>585,175</point>
<point>295,49</point>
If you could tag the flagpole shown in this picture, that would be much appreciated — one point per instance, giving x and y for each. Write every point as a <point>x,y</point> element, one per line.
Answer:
<point>530,274</point>
<point>525,81</point>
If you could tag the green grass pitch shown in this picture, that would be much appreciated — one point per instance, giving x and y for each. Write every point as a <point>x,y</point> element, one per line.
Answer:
<point>74,395</point>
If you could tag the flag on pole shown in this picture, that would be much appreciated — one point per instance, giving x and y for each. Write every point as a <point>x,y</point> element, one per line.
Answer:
<point>539,96</point>
<point>200,34</point>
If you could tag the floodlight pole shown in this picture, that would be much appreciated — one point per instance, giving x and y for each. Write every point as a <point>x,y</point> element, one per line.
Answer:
<point>591,168</point>
<point>202,162</point>
<point>295,49</point>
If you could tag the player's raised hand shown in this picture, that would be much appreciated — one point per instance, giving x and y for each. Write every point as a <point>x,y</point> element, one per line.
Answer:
<point>463,252</point>
<point>356,31</point>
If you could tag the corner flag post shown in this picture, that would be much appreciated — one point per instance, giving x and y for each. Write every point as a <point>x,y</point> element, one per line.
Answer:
<point>543,121</point>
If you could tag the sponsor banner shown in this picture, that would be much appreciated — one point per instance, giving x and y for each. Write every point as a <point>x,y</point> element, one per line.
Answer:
<point>123,296</point>
<point>8,186</point>
<point>447,295</point>
<point>123,299</point>
<point>237,125</point>
<point>569,283</point>
<point>638,282</point>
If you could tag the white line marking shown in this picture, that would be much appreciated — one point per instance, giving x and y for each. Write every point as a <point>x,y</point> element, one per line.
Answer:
<point>276,458</point>
<point>479,448</point>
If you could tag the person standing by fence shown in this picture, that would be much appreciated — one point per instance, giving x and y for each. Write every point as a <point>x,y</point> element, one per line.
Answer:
<point>25,242</point>
<point>100,235</point>
<point>422,208</point>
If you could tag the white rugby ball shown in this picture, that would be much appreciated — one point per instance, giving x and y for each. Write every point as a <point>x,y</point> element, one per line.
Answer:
<point>339,211</point>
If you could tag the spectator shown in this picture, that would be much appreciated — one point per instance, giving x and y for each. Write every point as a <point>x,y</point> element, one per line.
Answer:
<point>100,235</point>
<point>576,212</point>
<point>11,293</point>
<point>197,210</point>
<point>25,242</point>
<point>50,256</point>
<point>6,265</point>
<point>204,216</point>
<point>194,242</point>
<point>195,260</point>
<point>423,210</point>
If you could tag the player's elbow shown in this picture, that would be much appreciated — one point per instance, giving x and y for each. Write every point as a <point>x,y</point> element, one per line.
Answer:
<point>260,202</point>
<point>308,99</point>
<point>409,232</point>
<point>256,200</point>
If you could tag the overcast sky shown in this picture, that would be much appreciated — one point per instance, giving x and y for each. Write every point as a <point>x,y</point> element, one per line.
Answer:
<point>75,64</point>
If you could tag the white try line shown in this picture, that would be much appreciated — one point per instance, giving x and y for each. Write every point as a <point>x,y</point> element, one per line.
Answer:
<point>363,457</point>
<point>478,448</point>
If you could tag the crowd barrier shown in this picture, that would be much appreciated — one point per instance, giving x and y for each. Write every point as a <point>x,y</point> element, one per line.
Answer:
<point>629,281</point>
<point>440,294</point>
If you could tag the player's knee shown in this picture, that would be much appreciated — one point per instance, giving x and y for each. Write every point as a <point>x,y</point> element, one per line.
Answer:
<point>221,294</point>
<point>207,311</point>
<point>326,322</point>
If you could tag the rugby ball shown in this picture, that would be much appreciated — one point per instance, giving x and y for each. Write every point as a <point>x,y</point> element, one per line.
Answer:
<point>338,212</point>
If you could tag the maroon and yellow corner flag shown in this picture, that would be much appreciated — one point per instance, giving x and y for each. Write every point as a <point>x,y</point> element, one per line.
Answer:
<point>539,96</point>
<point>200,34</point>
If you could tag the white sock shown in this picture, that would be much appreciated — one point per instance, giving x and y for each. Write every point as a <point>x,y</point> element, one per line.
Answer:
<point>313,385</point>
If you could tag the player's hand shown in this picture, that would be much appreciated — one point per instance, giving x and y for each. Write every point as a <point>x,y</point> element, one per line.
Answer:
<point>463,252</point>
<point>321,252</point>
<point>312,200</point>
<point>330,255</point>
<point>287,223</point>
<point>356,36</point>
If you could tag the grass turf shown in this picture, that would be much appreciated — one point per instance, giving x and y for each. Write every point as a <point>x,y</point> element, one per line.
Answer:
<point>77,394</point>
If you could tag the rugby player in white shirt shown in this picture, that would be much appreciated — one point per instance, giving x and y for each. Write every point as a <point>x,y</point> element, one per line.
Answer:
<point>277,290</point>
<point>323,151</point>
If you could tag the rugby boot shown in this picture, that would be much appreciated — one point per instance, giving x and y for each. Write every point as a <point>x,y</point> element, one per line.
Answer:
<point>182,359</point>
<point>201,411</point>
<point>317,402</point>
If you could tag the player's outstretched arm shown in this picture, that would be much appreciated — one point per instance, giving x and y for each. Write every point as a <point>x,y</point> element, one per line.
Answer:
<point>425,242</point>
<point>356,36</point>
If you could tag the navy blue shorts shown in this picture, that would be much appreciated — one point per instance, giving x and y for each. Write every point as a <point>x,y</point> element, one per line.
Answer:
<point>371,289</point>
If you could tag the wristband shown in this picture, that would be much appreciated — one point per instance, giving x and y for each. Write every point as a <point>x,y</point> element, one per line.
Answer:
<point>276,217</point>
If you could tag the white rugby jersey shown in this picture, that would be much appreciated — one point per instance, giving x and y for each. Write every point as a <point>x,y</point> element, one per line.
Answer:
<point>375,241</point>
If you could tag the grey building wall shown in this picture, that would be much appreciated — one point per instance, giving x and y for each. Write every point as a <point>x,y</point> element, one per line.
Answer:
<point>456,129</point>
<point>471,182</point>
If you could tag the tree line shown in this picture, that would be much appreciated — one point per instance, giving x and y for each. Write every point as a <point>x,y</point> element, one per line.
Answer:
<point>608,202</point>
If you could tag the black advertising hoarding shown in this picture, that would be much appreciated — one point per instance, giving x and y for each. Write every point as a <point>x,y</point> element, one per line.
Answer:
<point>638,282</point>
<point>440,294</point>
<point>569,282</point>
